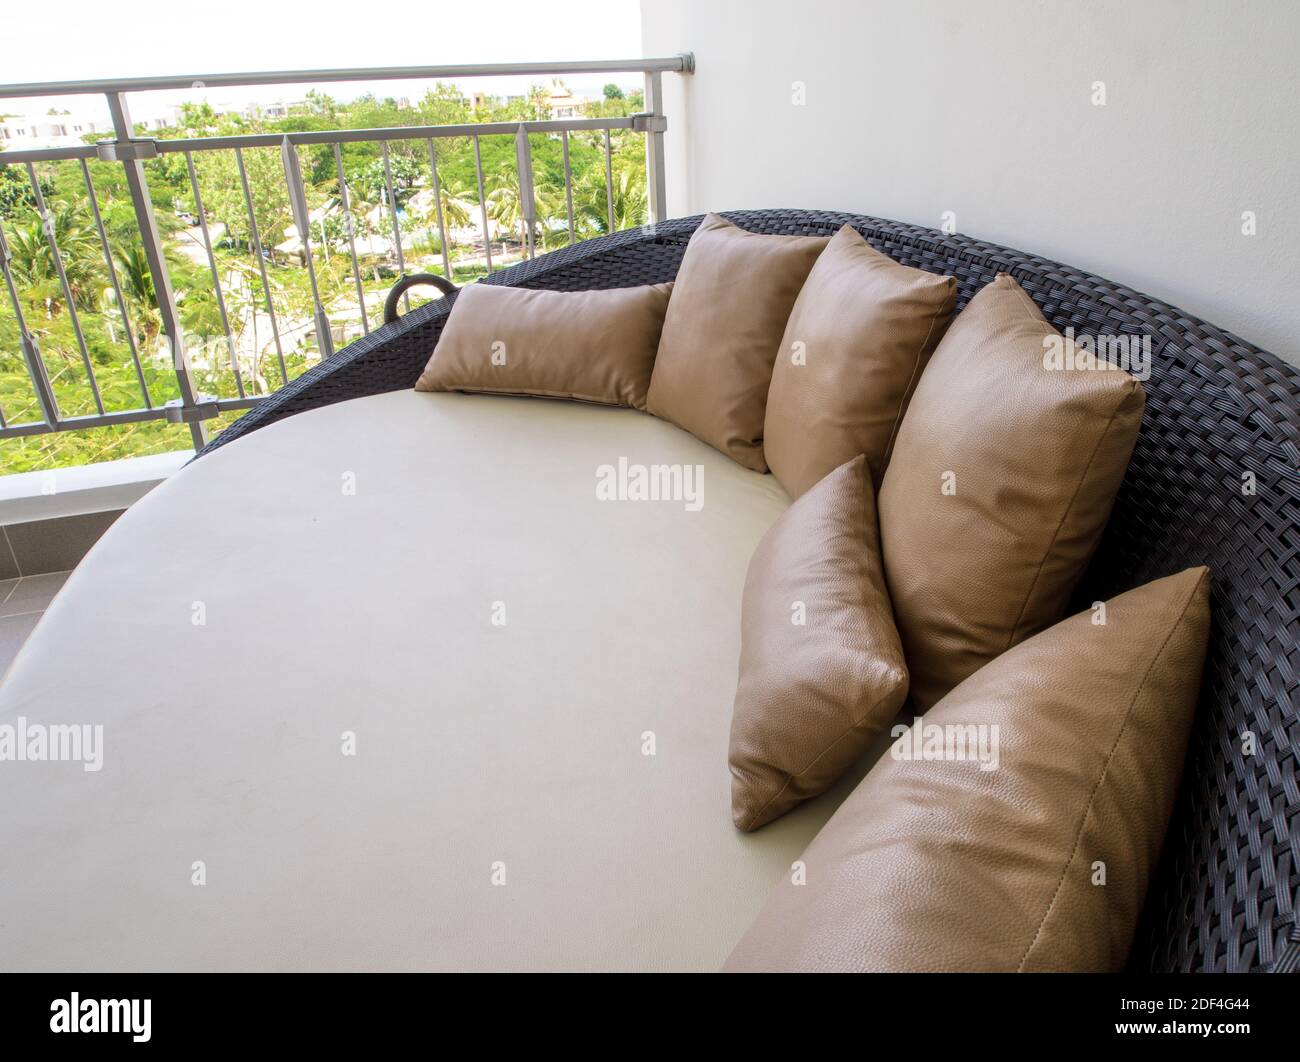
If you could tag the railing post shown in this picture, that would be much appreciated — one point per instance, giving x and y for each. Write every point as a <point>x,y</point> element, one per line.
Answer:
<point>131,155</point>
<point>437,203</point>
<point>302,221</point>
<point>527,197</point>
<point>654,146</point>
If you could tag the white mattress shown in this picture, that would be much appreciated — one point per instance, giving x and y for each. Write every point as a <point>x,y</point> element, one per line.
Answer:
<point>476,744</point>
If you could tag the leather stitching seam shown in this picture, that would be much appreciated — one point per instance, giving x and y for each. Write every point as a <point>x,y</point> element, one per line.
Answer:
<point>910,390</point>
<point>1065,515</point>
<point>1101,777</point>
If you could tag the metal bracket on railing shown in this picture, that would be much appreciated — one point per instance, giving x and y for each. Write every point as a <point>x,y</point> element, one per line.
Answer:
<point>31,350</point>
<point>126,150</point>
<point>40,377</point>
<point>649,123</point>
<point>204,408</point>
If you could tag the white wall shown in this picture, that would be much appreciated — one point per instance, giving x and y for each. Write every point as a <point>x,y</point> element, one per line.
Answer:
<point>916,107</point>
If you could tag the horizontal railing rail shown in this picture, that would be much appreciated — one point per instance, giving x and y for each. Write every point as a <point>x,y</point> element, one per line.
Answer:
<point>243,294</point>
<point>683,63</point>
<point>326,136</point>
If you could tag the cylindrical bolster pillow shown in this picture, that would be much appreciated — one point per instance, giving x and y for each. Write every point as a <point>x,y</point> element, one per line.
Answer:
<point>595,346</point>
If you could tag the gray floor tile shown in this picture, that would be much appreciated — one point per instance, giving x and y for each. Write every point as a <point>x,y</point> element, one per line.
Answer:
<point>32,593</point>
<point>13,632</point>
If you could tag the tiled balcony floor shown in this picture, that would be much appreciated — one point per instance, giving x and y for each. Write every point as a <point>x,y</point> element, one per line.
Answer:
<point>22,601</point>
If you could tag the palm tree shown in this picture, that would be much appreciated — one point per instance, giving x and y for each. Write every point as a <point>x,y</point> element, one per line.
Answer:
<point>137,289</point>
<point>34,266</point>
<point>196,302</point>
<point>505,207</point>
<point>591,206</point>
<point>35,270</point>
<point>423,209</point>
<point>455,204</point>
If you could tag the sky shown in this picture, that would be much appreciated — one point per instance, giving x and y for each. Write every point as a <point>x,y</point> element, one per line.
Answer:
<point>60,40</point>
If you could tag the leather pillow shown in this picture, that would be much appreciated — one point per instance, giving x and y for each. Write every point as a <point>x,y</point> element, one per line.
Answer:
<point>732,297</point>
<point>1039,864</point>
<point>858,337</point>
<point>1000,483</point>
<point>821,667</point>
<point>596,346</point>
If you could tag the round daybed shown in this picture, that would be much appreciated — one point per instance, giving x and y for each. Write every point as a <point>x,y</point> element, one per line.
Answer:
<point>311,703</point>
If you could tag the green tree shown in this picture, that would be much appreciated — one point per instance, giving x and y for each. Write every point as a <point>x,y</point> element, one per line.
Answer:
<point>591,205</point>
<point>16,197</point>
<point>505,206</point>
<point>34,266</point>
<point>223,196</point>
<point>137,289</point>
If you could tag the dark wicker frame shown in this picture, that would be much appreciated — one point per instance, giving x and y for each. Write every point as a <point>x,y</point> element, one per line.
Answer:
<point>1224,897</point>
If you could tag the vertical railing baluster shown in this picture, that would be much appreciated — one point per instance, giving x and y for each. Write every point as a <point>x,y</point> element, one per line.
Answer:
<point>31,352</point>
<point>302,219</point>
<point>482,205</point>
<point>216,274</point>
<point>151,240</point>
<point>527,197</point>
<point>656,178</point>
<point>609,182</point>
<point>47,226</point>
<point>392,210</point>
<point>437,201</point>
<point>345,200</point>
<point>568,183</point>
<point>256,239</point>
<point>117,287</point>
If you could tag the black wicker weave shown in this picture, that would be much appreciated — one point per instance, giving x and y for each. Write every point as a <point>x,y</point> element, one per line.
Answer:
<point>1225,895</point>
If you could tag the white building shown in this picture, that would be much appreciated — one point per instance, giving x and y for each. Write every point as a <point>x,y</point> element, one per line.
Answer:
<point>70,129</point>
<point>50,130</point>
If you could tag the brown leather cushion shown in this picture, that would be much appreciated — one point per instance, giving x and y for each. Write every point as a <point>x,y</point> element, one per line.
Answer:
<point>937,865</point>
<point>596,346</point>
<point>733,295</point>
<point>998,488</point>
<point>860,333</point>
<point>821,667</point>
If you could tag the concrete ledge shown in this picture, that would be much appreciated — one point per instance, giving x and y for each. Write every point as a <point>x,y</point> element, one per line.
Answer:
<point>105,487</point>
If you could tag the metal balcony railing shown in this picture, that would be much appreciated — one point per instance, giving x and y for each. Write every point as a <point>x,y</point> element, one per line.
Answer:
<point>153,280</point>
